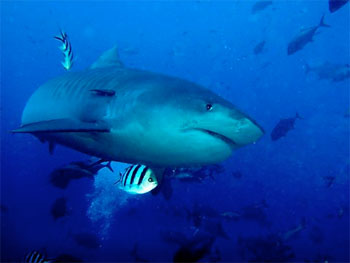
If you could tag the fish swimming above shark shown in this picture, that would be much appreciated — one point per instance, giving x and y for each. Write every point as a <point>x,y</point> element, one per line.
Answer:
<point>138,117</point>
<point>304,37</point>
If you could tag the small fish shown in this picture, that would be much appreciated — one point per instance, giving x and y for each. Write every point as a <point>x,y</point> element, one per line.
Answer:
<point>304,37</point>
<point>329,180</point>
<point>334,5</point>
<point>283,127</point>
<point>195,250</point>
<point>259,48</point>
<point>237,174</point>
<point>295,230</point>
<point>87,240</point>
<point>4,208</point>
<point>327,70</point>
<point>66,49</point>
<point>35,257</point>
<point>138,179</point>
<point>59,208</point>
<point>260,5</point>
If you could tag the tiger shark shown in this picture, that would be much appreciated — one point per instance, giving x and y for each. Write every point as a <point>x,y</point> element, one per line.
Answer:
<point>135,116</point>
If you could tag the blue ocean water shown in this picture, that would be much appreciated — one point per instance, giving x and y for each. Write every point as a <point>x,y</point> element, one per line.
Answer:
<point>275,191</point>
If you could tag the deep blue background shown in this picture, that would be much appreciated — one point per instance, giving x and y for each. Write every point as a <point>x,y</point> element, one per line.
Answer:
<point>210,43</point>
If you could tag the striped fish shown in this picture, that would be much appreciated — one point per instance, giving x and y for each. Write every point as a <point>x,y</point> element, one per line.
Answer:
<point>66,49</point>
<point>35,257</point>
<point>138,179</point>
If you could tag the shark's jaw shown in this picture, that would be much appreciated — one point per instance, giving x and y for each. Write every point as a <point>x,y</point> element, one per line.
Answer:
<point>219,136</point>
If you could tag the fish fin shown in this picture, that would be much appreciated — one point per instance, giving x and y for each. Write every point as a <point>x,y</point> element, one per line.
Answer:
<point>297,116</point>
<point>109,58</point>
<point>120,178</point>
<point>103,92</point>
<point>109,166</point>
<point>63,125</point>
<point>322,24</point>
<point>51,147</point>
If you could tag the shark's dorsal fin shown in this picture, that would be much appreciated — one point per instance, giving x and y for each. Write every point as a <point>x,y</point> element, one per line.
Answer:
<point>109,58</point>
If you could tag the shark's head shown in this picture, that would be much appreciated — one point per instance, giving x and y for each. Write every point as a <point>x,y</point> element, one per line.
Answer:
<point>186,124</point>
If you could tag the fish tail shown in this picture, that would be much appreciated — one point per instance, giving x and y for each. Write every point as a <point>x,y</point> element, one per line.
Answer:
<point>307,68</point>
<point>109,166</point>
<point>322,24</point>
<point>297,116</point>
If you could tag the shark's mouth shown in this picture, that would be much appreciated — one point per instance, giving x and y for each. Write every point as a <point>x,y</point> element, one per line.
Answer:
<point>218,136</point>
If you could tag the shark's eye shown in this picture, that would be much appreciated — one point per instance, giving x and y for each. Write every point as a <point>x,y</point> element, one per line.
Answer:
<point>150,180</point>
<point>209,107</point>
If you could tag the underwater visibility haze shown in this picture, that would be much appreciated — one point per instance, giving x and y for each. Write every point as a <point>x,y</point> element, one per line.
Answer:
<point>175,131</point>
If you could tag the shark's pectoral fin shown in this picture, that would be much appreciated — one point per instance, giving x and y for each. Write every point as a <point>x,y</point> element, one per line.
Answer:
<point>109,58</point>
<point>63,125</point>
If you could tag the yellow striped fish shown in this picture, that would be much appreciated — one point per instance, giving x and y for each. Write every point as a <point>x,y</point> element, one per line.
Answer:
<point>66,49</point>
<point>138,179</point>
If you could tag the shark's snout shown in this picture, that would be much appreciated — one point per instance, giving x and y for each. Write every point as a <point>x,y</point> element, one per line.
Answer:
<point>246,131</point>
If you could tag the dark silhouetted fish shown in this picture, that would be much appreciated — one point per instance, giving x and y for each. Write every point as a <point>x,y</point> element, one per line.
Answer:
<point>177,238</point>
<point>195,250</point>
<point>329,180</point>
<point>67,258</point>
<point>316,235</point>
<point>59,208</point>
<point>4,208</point>
<point>237,174</point>
<point>260,5</point>
<point>294,230</point>
<point>333,72</point>
<point>215,229</point>
<point>264,249</point>
<point>334,5</point>
<point>62,176</point>
<point>304,37</point>
<point>87,240</point>
<point>259,48</point>
<point>135,254</point>
<point>283,127</point>
<point>197,175</point>
<point>200,212</point>
<point>255,212</point>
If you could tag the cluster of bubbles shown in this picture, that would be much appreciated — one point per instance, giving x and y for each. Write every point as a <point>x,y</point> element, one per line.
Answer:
<point>106,198</point>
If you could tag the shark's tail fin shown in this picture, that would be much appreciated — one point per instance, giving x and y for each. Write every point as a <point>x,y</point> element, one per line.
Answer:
<point>322,24</point>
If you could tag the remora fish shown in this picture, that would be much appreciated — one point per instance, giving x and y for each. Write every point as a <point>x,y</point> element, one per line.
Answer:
<point>305,36</point>
<point>149,119</point>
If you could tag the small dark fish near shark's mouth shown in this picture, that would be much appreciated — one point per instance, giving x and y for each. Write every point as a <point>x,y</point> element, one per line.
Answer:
<point>218,135</point>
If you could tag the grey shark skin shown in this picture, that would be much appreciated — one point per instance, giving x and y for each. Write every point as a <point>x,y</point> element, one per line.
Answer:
<point>136,117</point>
